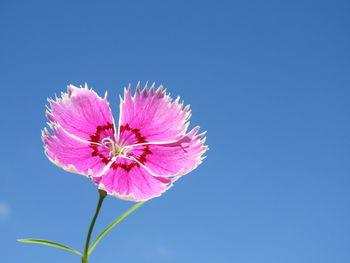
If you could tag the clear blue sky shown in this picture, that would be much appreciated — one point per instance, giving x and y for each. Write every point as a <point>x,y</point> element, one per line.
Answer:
<point>268,80</point>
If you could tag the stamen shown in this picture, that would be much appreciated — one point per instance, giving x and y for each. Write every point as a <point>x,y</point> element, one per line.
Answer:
<point>124,151</point>
<point>115,149</point>
<point>106,141</point>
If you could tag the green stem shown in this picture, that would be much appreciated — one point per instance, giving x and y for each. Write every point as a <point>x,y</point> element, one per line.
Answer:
<point>102,195</point>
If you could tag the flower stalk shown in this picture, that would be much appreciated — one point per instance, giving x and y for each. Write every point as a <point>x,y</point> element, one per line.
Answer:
<point>102,195</point>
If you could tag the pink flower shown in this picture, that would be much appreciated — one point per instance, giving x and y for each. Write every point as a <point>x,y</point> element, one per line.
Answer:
<point>139,159</point>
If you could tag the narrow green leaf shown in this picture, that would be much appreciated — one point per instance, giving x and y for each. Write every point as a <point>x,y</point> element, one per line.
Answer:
<point>111,226</point>
<point>50,244</point>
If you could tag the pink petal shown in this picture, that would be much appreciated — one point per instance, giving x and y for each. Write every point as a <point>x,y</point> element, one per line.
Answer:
<point>153,114</point>
<point>74,155</point>
<point>171,159</point>
<point>127,180</point>
<point>81,112</point>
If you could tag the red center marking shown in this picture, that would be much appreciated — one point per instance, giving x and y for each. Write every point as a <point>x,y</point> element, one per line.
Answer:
<point>139,139</point>
<point>97,139</point>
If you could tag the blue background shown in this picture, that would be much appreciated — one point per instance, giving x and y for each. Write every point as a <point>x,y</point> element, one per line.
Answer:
<point>268,80</point>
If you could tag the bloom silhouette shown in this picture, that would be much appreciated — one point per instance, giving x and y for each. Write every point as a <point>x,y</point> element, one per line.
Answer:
<point>138,160</point>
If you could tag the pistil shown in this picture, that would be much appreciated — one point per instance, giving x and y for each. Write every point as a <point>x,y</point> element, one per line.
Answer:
<point>115,149</point>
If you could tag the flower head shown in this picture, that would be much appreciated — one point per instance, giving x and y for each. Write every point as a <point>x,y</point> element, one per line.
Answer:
<point>137,160</point>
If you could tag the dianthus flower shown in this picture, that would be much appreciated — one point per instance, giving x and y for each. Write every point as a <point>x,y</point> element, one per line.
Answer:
<point>137,160</point>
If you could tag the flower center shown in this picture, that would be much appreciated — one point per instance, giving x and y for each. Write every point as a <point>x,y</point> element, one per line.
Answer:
<point>115,149</point>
